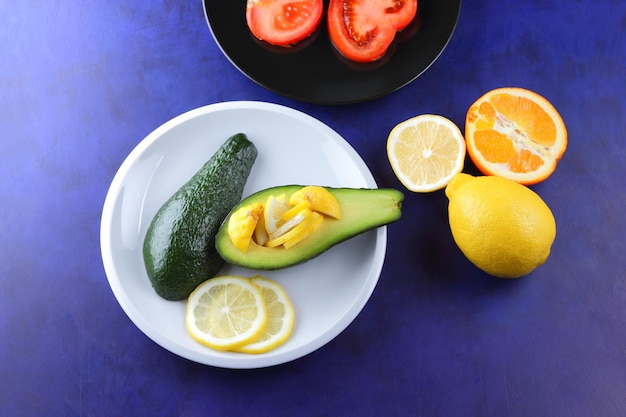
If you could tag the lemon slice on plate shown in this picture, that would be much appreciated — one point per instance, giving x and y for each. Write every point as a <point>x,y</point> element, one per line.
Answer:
<point>226,312</point>
<point>280,317</point>
<point>425,152</point>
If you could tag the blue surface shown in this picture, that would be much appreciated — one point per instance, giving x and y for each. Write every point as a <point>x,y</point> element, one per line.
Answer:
<point>81,83</point>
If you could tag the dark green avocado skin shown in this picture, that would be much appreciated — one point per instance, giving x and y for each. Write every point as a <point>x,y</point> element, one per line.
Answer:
<point>179,247</point>
<point>361,210</point>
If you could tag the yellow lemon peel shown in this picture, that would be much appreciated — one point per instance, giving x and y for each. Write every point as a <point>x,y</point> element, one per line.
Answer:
<point>242,224</point>
<point>280,317</point>
<point>501,226</point>
<point>322,200</point>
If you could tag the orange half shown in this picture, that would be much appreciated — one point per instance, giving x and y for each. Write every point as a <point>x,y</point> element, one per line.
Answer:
<point>516,134</point>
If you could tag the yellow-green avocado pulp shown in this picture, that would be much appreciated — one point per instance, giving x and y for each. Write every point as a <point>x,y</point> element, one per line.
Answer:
<point>362,209</point>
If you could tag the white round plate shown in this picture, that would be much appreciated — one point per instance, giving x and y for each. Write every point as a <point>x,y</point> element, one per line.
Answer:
<point>327,292</point>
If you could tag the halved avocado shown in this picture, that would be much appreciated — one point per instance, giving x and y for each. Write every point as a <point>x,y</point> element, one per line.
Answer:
<point>362,209</point>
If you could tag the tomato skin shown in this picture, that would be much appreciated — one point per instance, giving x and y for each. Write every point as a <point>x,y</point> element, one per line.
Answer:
<point>362,31</point>
<point>283,22</point>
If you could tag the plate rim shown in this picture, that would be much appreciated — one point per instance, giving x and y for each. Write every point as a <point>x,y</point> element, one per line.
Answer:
<point>243,361</point>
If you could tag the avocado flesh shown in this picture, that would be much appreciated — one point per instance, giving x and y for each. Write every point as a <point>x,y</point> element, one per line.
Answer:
<point>361,210</point>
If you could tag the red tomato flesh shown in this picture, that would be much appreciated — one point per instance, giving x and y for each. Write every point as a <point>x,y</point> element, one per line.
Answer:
<point>283,22</point>
<point>363,30</point>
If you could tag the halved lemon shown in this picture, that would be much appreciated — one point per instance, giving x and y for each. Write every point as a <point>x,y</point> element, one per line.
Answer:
<point>226,312</point>
<point>425,152</point>
<point>280,317</point>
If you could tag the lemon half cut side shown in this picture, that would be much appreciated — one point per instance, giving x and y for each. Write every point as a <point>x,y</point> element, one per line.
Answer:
<point>425,152</point>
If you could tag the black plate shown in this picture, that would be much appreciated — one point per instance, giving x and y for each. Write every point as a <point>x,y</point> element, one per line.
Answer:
<point>314,72</point>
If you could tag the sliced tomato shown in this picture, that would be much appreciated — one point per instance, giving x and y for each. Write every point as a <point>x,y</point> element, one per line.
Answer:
<point>363,30</point>
<point>283,22</point>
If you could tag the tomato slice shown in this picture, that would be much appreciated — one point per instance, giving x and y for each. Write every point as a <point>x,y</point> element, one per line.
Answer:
<point>363,30</point>
<point>283,22</point>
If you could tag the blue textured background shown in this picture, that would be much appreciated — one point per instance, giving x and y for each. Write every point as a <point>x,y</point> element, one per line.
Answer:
<point>81,83</point>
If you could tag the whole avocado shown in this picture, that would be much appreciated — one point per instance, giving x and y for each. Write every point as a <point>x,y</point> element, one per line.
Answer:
<point>179,247</point>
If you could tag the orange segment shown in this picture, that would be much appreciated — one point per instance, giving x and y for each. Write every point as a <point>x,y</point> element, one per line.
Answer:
<point>516,134</point>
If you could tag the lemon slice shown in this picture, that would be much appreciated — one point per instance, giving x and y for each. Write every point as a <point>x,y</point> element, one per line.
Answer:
<point>300,223</point>
<point>290,224</point>
<point>280,317</point>
<point>275,208</point>
<point>295,210</point>
<point>260,234</point>
<point>312,225</point>
<point>242,224</point>
<point>322,200</point>
<point>425,152</point>
<point>226,312</point>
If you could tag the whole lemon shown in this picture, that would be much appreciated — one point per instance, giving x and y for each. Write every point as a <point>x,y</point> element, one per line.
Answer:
<point>501,226</point>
